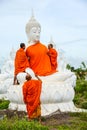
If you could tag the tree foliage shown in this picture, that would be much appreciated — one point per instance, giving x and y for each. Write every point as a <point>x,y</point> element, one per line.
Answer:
<point>80,72</point>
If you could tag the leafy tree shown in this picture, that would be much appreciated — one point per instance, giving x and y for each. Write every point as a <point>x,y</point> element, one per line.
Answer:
<point>80,72</point>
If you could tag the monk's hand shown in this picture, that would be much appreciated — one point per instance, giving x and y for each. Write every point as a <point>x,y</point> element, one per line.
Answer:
<point>36,75</point>
<point>25,102</point>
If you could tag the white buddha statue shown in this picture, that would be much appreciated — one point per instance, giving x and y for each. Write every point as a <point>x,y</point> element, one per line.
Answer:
<point>57,87</point>
<point>7,74</point>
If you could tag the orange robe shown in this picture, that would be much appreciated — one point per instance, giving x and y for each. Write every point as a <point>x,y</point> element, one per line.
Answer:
<point>21,61</point>
<point>53,58</point>
<point>38,59</point>
<point>31,96</point>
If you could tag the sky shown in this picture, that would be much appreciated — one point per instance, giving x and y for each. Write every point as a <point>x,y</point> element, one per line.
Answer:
<point>65,21</point>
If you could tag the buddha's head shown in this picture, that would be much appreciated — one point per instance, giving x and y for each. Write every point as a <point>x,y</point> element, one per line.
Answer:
<point>33,30</point>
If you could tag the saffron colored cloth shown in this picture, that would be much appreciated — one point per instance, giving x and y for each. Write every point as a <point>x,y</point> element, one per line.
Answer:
<point>31,97</point>
<point>53,58</point>
<point>38,59</point>
<point>36,113</point>
<point>21,61</point>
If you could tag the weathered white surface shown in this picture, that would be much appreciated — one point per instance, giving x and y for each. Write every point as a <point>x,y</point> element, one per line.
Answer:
<point>56,94</point>
<point>7,74</point>
<point>57,89</point>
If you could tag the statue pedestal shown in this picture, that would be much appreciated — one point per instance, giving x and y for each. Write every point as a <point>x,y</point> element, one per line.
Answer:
<point>56,94</point>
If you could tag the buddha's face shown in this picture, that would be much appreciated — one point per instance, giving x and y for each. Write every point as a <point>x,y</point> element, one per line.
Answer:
<point>34,34</point>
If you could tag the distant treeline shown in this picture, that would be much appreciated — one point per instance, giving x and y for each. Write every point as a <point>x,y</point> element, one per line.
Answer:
<point>80,72</point>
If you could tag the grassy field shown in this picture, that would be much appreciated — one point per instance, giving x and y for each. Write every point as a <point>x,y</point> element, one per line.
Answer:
<point>62,121</point>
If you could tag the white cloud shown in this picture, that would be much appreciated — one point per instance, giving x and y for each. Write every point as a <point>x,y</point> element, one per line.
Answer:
<point>64,20</point>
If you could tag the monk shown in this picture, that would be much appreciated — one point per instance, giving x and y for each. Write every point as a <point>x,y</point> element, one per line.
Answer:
<point>53,56</point>
<point>31,96</point>
<point>21,62</point>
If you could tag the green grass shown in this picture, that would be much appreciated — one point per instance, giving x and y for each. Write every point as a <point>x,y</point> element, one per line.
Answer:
<point>77,121</point>
<point>4,104</point>
<point>80,98</point>
<point>20,124</point>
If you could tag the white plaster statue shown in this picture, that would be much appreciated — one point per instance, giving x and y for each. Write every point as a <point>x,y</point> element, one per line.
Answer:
<point>57,88</point>
<point>7,74</point>
<point>62,62</point>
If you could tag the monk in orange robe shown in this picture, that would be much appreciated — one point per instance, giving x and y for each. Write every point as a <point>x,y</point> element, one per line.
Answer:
<point>38,59</point>
<point>21,61</point>
<point>53,56</point>
<point>31,96</point>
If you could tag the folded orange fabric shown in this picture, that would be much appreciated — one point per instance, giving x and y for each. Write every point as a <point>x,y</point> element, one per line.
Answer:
<point>53,58</point>
<point>31,95</point>
<point>21,61</point>
<point>38,59</point>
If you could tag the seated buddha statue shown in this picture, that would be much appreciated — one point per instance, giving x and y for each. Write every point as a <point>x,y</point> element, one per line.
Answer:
<point>57,86</point>
<point>37,54</point>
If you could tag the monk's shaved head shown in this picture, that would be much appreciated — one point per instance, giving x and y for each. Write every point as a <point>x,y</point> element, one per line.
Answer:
<point>22,45</point>
<point>28,77</point>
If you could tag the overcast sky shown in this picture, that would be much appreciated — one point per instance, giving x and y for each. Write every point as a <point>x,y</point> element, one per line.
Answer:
<point>64,20</point>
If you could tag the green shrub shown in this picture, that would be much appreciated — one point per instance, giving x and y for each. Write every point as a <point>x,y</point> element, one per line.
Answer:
<point>4,104</point>
<point>80,98</point>
<point>84,104</point>
<point>81,86</point>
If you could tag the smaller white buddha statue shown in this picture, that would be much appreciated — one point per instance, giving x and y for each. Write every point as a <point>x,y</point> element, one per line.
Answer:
<point>7,74</point>
<point>8,66</point>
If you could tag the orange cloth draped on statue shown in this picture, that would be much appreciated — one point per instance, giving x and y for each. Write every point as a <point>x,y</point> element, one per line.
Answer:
<point>21,61</point>
<point>38,59</point>
<point>31,96</point>
<point>53,58</point>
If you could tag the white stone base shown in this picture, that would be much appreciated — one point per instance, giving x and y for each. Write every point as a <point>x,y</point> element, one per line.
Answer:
<point>47,109</point>
<point>3,96</point>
